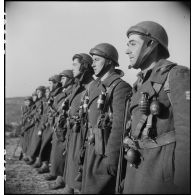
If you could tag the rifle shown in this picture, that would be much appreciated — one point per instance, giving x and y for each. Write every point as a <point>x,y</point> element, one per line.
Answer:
<point>83,148</point>
<point>18,143</point>
<point>27,128</point>
<point>122,162</point>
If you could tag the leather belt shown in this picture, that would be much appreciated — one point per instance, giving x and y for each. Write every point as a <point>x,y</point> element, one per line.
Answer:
<point>161,140</point>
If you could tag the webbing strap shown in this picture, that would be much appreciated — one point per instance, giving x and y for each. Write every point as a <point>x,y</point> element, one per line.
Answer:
<point>139,126</point>
<point>109,92</point>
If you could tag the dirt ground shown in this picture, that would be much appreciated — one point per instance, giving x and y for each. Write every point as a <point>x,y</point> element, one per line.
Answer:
<point>22,178</point>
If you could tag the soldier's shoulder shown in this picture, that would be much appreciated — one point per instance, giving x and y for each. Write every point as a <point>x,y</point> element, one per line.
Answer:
<point>179,72</point>
<point>124,84</point>
<point>123,88</point>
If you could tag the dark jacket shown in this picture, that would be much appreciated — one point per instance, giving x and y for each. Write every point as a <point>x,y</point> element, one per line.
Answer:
<point>164,168</point>
<point>74,138</point>
<point>27,128</point>
<point>99,171</point>
<point>47,123</point>
<point>57,153</point>
<point>36,139</point>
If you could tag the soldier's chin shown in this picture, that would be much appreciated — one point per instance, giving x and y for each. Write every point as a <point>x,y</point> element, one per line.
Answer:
<point>96,73</point>
<point>134,66</point>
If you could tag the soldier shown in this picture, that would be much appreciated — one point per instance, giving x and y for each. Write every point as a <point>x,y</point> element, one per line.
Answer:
<point>36,136</point>
<point>106,107</point>
<point>44,158</point>
<point>82,72</point>
<point>58,143</point>
<point>31,124</point>
<point>47,124</point>
<point>157,145</point>
<point>26,109</point>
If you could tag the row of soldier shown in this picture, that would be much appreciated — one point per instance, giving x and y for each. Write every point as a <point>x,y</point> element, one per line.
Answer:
<point>104,136</point>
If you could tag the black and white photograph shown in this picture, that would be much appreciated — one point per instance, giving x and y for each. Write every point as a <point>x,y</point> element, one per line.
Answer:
<point>97,97</point>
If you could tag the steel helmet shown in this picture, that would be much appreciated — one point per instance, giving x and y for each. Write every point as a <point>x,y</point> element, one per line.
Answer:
<point>152,30</point>
<point>107,51</point>
<point>41,88</point>
<point>86,62</point>
<point>67,73</point>
<point>28,98</point>
<point>34,93</point>
<point>85,57</point>
<point>46,88</point>
<point>56,78</point>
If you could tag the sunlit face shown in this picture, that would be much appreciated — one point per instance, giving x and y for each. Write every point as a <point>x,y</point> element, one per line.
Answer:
<point>39,93</point>
<point>76,67</point>
<point>98,64</point>
<point>47,92</point>
<point>51,85</point>
<point>134,47</point>
<point>63,80</point>
<point>34,97</point>
<point>27,103</point>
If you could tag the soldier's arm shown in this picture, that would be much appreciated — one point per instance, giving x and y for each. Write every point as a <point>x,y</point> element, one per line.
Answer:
<point>118,105</point>
<point>179,82</point>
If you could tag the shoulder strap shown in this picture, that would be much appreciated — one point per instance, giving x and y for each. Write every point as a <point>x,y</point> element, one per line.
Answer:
<point>86,92</point>
<point>167,88</point>
<point>158,86</point>
<point>109,92</point>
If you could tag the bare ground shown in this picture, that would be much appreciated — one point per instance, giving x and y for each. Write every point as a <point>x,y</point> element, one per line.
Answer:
<point>22,178</point>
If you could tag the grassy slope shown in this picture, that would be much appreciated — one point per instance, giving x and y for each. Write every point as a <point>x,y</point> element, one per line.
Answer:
<point>13,109</point>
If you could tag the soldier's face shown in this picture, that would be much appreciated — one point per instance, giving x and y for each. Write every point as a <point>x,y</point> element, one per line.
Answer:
<point>98,64</point>
<point>51,85</point>
<point>76,67</point>
<point>134,47</point>
<point>34,97</point>
<point>39,93</point>
<point>26,102</point>
<point>47,92</point>
<point>63,81</point>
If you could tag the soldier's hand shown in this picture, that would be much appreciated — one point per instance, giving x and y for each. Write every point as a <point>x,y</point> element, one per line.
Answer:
<point>39,133</point>
<point>111,168</point>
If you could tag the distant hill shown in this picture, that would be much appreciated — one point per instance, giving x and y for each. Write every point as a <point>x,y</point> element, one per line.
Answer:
<point>13,110</point>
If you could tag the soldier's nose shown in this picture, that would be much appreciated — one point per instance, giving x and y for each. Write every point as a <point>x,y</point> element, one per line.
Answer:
<point>127,51</point>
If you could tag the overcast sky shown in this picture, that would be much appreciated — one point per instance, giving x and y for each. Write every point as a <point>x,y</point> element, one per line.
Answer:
<point>42,37</point>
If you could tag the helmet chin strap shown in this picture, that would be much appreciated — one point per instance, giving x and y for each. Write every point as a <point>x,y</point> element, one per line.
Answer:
<point>104,69</point>
<point>68,82</point>
<point>147,48</point>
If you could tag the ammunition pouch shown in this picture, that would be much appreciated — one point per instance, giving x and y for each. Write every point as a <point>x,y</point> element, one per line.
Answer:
<point>61,133</point>
<point>73,123</point>
<point>101,133</point>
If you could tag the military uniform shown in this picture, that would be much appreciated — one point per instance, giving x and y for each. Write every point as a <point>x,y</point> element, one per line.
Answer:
<point>32,129</point>
<point>58,147</point>
<point>99,170</point>
<point>165,152</point>
<point>26,128</point>
<point>36,139</point>
<point>74,135</point>
<point>47,124</point>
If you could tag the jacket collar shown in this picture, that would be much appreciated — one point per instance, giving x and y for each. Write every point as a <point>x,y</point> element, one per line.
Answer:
<point>158,75</point>
<point>98,85</point>
<point>80,85</point>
